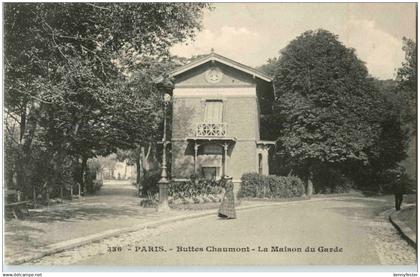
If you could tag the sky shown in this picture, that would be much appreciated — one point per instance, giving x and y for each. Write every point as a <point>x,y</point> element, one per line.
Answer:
<point>251,33</point>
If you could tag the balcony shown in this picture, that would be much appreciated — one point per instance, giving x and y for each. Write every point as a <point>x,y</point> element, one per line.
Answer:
<point>211,130</point>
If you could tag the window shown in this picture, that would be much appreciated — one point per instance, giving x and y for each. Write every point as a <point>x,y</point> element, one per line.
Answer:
<point>213,112</point>
<point>212,149</point>
<point>210,173</point>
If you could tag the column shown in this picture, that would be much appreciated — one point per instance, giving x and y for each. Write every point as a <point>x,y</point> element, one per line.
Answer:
<point>195,157</point>
<point>225,155</point>
<point>264,152</point>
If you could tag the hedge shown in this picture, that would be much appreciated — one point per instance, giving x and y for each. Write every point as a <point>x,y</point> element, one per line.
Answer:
<point>259,186</point>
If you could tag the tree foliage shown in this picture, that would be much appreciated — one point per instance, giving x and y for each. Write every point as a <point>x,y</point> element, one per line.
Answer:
<point>79,77</point>
<point>407,85</point>
<point>331,110</point>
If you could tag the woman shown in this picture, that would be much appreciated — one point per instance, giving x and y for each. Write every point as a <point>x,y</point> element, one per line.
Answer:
<point>227,208</point>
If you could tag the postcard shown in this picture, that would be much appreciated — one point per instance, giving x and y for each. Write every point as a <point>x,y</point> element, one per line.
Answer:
<point>212,136</point>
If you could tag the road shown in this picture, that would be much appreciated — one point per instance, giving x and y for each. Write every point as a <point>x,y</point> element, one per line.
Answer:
<point>357,227</point>
<point>116,205</point>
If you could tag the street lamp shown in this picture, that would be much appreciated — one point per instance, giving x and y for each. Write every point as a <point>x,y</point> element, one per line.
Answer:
<point>165,86</point>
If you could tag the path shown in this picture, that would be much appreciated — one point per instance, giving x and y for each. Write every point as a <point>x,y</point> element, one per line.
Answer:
<point>114,206</point>
<point>359,227</point>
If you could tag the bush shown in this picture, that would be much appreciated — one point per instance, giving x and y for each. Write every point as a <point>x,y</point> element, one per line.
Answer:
<point>330,180</point>
<point>94,186</point>
<point>149,183</point>
<point>397,176</point>
<point>258,186</point>
<point>251,185</point>
<point>194,188</point>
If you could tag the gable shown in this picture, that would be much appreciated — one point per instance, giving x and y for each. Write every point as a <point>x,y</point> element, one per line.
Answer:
<point>216,58</point>
<point>214,74</point>
<point>216,71</point>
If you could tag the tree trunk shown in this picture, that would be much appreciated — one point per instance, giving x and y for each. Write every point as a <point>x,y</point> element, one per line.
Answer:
<point>34,197</point>
<point>48,195</point>
<point>309,184</point>
<point>145,157</point>
<point>142,158</point>
<point>28,128</point>
<point>138,171</point>
<point>20,171</point>
<point>309,187</point>
<point>82,174</point>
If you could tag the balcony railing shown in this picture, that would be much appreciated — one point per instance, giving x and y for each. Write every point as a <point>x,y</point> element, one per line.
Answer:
<point>211,129</point>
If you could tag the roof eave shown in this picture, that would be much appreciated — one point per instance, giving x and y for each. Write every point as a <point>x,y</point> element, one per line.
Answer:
<point>223,60</point>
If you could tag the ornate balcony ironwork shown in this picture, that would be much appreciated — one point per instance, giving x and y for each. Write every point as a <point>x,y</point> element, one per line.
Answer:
<point>211,129</point>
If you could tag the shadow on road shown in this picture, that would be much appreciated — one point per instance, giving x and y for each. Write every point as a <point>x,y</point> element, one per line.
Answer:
<point>115,199</point>
<point>368,208</point>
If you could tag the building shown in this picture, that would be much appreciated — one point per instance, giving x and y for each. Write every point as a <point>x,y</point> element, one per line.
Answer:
<point>124,171</point>
<point>115,170</point>
<point>217,104</point>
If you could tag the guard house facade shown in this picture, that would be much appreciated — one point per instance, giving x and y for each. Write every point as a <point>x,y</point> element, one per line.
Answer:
<point>217,104</point>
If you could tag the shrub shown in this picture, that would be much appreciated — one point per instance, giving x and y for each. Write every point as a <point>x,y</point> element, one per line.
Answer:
<point>149,182</point>
<point>193,188</point>
<point>330,180</point>
<point>285,187</point>
<point>251,184</point>
<point>255,185</point>
<point>192,191</point>
<point>94,186</point>
<point>397,176</point>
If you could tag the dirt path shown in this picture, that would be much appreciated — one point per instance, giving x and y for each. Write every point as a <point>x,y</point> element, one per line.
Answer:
<point>114,206</point>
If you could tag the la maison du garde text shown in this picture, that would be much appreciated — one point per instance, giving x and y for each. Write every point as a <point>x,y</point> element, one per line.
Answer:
<point>281,249</point>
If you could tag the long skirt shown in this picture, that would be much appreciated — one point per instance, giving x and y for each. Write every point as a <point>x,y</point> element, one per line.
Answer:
<point>227,207</point>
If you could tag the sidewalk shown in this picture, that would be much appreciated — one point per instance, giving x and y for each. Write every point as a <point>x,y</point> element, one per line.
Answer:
<point>114,210</point>
<point>405,222</point>
<point>115,206</point>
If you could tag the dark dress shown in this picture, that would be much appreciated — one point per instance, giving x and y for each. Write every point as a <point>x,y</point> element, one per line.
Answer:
<point>400,188</point>
<point>227,208</point>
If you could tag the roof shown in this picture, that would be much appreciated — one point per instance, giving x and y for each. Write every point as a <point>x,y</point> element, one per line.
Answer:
<point>266,142</point>
<point>221,59</point>
<point>212,138</point>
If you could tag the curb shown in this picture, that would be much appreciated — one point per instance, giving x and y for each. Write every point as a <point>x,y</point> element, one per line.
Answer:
<point>405,231</point>
<point>69,244</point>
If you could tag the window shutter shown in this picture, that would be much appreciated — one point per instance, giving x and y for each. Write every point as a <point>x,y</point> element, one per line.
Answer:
<point>213,112</point>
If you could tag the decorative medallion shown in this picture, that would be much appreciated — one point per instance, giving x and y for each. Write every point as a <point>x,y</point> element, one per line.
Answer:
<point>214,75</point>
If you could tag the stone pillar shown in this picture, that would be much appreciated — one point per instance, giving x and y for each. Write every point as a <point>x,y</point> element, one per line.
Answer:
<point>264,152</point>
<point>195,157</point>
<point>225,156</point>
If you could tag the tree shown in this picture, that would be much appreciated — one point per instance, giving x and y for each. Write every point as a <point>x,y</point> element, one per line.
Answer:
<point>332,112</point>
<point>406,91</point>
<point>407,84</point>
<point>270,67</point>
<point>63,83</point>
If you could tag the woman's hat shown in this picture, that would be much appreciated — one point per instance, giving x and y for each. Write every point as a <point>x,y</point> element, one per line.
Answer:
<point>227,177</point>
